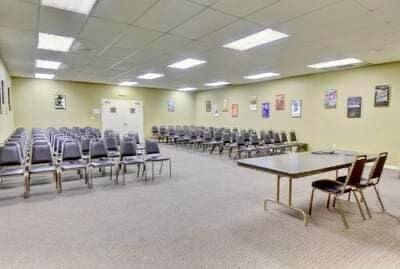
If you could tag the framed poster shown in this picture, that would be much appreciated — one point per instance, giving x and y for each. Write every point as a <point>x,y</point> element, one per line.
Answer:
<point>9,98</point>
<point>382,95</point>
<point>265,110</point>
<point>235,110</point>
<point>253,103</point>
<point>295,109</point>
<point>225,105</point>
<point>2,93</point>
<point>208,106</point>
<point>280,102</point>
<point>1,97</point>
<point>171,105</point>
<point>354,107</point>
<point>330,99</point>
<point>60,102</point>
<point>216,110</point>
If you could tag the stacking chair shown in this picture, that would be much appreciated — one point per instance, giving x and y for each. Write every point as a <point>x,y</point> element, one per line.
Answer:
<point>284,138</point>
<point>112,146</point>
<point>85,146</point>
<point>226,142</point>
<point>153,154</point>
<point>251,147</point>
<point>216,142</point>
<point>98,158</point>
<point>162,137</point>
<point>12,162</point>
<point>238,146</point>
<point>128,157</point>
<point>352,184</point>
<point>155,132</point>
<point>41,162</point>
<point>71,159</point>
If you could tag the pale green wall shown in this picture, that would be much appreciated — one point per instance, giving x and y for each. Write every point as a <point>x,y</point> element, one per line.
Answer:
<point>6,117</point>
<point>34,104</point>
<point>377,130</point>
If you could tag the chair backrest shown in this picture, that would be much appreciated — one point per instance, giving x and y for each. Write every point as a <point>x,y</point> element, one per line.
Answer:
<point>356,171</point>
<point>254,139</point>
<point>218,135</point>
<point>246,136</point>
<point>267,139</point>
<point>98,149</point>
<point>240,140</point>
<point>41,153</point>
<point>207,136</point>
<point>85,143</point>
<point>152,147</point>
<point>154,130</point>
<point>10,154</point>
<point>262,134</point>
<point>284,137</point>
<point>277,139</point>
<point>377,169</point>
<point>293,137</point>
<point>71,151</point>
<point>128,148</point>
<point>111,142</point>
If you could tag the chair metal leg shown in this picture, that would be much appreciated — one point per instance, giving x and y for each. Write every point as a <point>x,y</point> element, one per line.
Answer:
<point>117,173</point>
<point>152,170</point>
<point>311,202</point>
<point>138,170</point>
<point>348,197</point>
<point>123,175</point>
<point>58,175</point>
<point>328,201</point>
<point>27,182</point>
<point>170,168</point>
<point>359,206</point>
<point>340,210</point>
<point>365,204</point>
<point>145,171</point>
<point>111,168</point>
<point>90,185</point>
<point>379,198</point>
<point>162,162</point>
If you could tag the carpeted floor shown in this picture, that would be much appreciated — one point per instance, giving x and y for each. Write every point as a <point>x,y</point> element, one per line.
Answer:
<point>209,215</point>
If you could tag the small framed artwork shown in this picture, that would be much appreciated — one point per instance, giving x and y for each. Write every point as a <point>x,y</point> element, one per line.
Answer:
<point>171,105</point>
<point>2,93</point>
<point>9,98</point>
<point>235,110</point>
<point>295,109</point>
<point>280,102</point>
<point>1,97</point>
<point>265,111</point>
<point>330,99</point>
<point>208,106</point>
<point>225,105</point>
<point>216,110</point>
<point>253,103</point>
<point>354,107</point>
<point>60,102</point>
<point>382,95</point>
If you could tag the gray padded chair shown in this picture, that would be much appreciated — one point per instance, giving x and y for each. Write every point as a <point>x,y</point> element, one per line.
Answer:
<point>98,158</point>
<point>128,157</point>
<point>153,154</point>
<point>12,162</point>
<point>71,159</point>
<point>41,162</point>
<point>112,146</point>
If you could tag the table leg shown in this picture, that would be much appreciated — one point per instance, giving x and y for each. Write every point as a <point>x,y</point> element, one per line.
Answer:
<point>290,192</point>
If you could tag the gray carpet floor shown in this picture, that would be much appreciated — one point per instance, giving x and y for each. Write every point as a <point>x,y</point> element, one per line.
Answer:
<point>208,215</point>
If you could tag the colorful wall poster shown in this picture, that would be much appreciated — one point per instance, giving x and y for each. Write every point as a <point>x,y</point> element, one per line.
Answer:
<point>216,110</point>
<point>253,103</point>
<point>265,111</point>
<point>354,107</point>
<point>208,106</point>
<point>171,105</point>
<point>225,105</point>
<point>295,109</point>
<point>235,110</point>
<point>330,99</point>
<point>280,102</point>
<point>382,95</point>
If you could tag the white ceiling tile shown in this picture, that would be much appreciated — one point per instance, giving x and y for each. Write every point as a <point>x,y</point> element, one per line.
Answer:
<point>377,4</point>
<point>125,11</point>
<point>204,2</point>
<point>117,52</point>
<point>168,14</point>
<point>136,37</point>
<point>102,30</point>
<point>169,43</point>
<point>12,36</point>
<point>60,22</point>
<point>204,23</point>
<point>18,14</point>
<point>87,47</point>
<point>242,8</point>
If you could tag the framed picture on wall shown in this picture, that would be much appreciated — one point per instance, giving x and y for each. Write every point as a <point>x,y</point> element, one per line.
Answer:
<point>60,102</point>
<point>253,103</point>
<point>1,97</point>
<point>295,109</point>
<point>9,98</point>
<point>354,107</point>
<point>235,110</point>
<point>330,99</point>
<point>382,95</point>
<point>225,105</point>
<point>171,105</point>
<point>280,102</point>
<point>216,110</point>
<point>208,106</point>
<point>265,110</point>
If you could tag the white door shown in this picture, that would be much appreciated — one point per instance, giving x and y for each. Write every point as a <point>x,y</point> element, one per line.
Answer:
<point>122,116</point>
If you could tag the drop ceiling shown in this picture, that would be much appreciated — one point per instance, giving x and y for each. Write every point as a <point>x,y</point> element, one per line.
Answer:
<point>122,39</point>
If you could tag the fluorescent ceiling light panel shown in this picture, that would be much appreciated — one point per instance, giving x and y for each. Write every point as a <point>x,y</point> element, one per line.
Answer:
<point>335,63</point>
<point>187,89</point>
<point>257,39</point>
<point>187,63</point>
<point>128,83</point>
<point>54,42</point>
<point>217,83</point>
<point>44,76</point>
<point>78,6</point>
<point>262,75</point>
<point>151,76</point>
<point>48,64</point>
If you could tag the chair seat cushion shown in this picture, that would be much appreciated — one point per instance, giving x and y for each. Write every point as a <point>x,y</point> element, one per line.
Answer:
<point>101,163</point>
<point>72,166</point>
<point>42,169</point>
<point>157,158</point>
<point>329,186</point>
<point>10,171</point>
<point>132,161</point>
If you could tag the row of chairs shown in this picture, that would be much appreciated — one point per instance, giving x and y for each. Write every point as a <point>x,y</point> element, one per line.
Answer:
<point>54,152</point>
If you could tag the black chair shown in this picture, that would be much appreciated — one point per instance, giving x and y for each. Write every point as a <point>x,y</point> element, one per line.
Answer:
<point>12,162</point>
<point>128,157</point>
<point>71,159</point>
<point>293,137</point>
<point>352,184</point>
<point>153,154</point>
<point>98,158</point>
<point>41,162</point>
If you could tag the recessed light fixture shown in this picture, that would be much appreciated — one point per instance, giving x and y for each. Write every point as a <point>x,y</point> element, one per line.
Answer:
<point>150,76</point>
<point>217,83</point>
<point>187,63</point>
<point>335,63</point>
<point>187,89</point>
<point>78,6</point>
<point>262,75</point>
<point>55,42</point>
<point>128,83</point>
<point>48,64</point>
<point>44,76</point>
<point>257,39</point>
